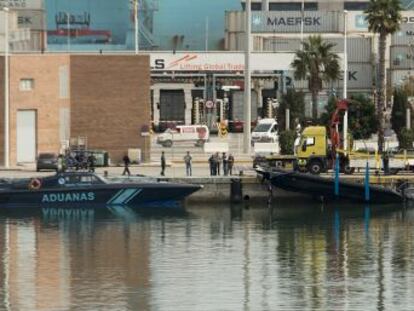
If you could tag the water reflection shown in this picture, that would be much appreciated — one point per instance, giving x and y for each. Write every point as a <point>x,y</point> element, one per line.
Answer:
<point>290,256</point>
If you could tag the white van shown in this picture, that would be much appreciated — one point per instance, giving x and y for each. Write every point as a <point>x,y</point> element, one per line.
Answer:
<point>198,134</point>
<point>265,131</point>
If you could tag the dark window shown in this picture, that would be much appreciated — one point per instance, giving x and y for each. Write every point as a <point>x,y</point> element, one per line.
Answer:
<point>293,6</point>
<point>47,156</point>
<point>285,6</point>
<point>255,6</point>
<point>311,6</point>
<point>356,6</point>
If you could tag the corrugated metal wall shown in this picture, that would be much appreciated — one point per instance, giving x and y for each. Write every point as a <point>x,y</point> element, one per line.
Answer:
<point>287,22</point>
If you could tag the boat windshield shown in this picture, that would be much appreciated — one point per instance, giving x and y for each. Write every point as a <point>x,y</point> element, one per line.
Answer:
<point>81,179</point>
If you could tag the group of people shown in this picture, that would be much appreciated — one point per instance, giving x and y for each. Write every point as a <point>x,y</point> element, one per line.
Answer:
<point>215,161</point>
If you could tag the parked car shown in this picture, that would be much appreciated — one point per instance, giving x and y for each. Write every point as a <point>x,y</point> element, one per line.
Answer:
<point>198,134</point>
<point>47,161</point>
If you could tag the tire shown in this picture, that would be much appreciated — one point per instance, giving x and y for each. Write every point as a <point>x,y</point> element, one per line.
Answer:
<point>315,167</point>
<point>349,170</point>
<point>394,171</point>
<point>167,143</point>
<point>200,143</point>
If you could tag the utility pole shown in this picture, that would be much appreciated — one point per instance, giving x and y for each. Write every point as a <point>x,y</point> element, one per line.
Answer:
<point>345,93</point>
<point>136,26</point>
<point>247,83</point>
<point>302,23</point>
<point>206,34</point>
<point>68,30</point>
<point>6,89</point>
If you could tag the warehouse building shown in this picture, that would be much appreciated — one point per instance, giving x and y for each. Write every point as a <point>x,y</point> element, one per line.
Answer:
<point>55,97</point>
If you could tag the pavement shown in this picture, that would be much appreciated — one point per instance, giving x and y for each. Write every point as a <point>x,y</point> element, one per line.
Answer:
<point>173,170</point>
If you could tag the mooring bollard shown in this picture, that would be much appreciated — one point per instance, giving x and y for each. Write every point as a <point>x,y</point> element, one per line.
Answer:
<point>236,191</point>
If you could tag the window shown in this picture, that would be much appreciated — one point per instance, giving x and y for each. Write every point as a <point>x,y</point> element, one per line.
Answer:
<point>310,141</point>
<point>355,6</point>
<point>292,6</point>
<point>63,82</point>
<point>255,6</point>
<point>26,84</point>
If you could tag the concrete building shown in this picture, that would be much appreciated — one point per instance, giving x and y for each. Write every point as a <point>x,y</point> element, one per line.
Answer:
<point>56,97</point>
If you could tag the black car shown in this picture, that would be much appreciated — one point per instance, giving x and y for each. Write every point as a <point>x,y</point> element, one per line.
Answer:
<point>47,161</point>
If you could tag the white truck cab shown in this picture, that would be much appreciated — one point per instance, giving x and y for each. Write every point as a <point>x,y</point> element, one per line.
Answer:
<point>265,131</point>
<point>198,134</point>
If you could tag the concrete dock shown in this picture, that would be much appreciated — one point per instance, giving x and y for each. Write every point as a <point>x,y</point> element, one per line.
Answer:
<point>220,189</point>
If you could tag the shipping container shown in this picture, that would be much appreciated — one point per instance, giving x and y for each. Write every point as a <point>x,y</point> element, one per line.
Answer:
<point>287,22</point>
<point>402,57</point>
<point>399,77</point>
<point>359,49</point>
<point>37,40</point>
<point>360,77</point>
<point>32,19</point>
<point>22,4</point>
<point>405,36</point>
<point>234,21</point>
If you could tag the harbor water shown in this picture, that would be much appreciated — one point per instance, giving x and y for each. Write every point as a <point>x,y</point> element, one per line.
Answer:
<point>290,256</point>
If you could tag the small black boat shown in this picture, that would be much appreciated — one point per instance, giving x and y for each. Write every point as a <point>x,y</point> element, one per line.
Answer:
<point>323,188</point>
<point>77,188</point>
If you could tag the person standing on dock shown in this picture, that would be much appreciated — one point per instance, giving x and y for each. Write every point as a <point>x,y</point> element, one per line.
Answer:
<point>212,165</point>
<point>230,163</point>
<point>188,163</point>
<point>225,162</point>
<point>127,162</point>
<point>91,163</point>
<point>217,160</point>
<point>163,163</point>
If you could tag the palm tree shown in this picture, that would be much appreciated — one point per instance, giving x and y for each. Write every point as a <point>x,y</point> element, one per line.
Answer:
<point>316,63</point>
<point>384,18</point>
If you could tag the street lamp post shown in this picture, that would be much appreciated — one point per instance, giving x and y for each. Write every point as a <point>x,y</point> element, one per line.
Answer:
<point>302,23</point>
<point>247,83</point>
<point>68,30</point>
<point>136,26</point>
<point>6,88</point>
<point>345,93</point>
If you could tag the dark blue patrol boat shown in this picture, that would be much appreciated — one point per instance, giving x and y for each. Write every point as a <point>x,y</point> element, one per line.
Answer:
<point>79,188</point>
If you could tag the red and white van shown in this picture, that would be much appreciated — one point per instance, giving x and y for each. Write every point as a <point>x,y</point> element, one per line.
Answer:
<point>198,134</point>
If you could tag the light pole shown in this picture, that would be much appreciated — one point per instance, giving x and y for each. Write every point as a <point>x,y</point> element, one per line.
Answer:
<point>302,23</point>
<point>6,88</point>
<point>136,26</point>
<point>68,30</point>
<point>247,83</point>
<point>345,93</point>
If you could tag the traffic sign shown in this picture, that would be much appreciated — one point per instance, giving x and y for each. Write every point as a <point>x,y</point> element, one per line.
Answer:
<point>209,104</point>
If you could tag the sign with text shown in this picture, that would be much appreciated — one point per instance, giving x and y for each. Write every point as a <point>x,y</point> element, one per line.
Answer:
<point>290,21</point>
<point>22,4</point>
<point>229,61</point>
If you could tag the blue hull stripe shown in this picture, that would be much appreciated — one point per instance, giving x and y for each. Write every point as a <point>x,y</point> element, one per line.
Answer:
<point>115,196</point>
<point>124,196</point>
<point>133,196</point>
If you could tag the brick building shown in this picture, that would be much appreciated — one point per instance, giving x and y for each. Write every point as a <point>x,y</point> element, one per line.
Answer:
<point>55,97</point>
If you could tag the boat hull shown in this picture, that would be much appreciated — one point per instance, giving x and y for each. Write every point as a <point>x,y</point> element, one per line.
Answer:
<point>324,188</point>
<point>99,195</point>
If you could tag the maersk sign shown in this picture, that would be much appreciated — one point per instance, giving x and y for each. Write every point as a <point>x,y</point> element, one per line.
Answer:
<point>290,22</point>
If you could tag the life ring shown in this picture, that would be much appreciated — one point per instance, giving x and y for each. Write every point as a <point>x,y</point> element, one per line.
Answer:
<point>35,184</point>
